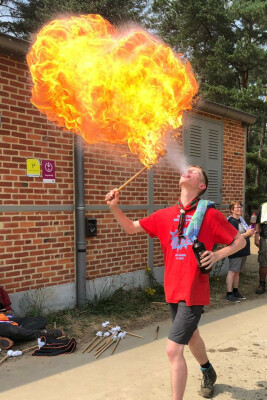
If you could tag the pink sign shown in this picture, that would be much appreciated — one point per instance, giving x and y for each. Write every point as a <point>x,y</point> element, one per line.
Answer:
<point>49,173</point>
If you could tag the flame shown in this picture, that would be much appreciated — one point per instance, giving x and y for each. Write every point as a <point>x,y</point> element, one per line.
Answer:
<point>108,85</point>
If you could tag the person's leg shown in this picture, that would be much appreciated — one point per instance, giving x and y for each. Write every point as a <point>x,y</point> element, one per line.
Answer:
<point>230,281</point>
<point>262,259</point>
<point>185,320</point>
<point>198,349</point>
<point>262,283</point>
<point>32,323</point>
<point>236,292</point>
<point>178,365</point>
<point>29,328</point>
<point>236,281</point>
<point>16,333</point>
<point>232,278</point>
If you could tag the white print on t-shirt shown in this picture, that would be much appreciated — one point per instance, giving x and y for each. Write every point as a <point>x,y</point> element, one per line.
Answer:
<point>184,242</point>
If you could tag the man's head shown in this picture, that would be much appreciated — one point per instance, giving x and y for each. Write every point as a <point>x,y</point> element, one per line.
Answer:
<point>195,177</point>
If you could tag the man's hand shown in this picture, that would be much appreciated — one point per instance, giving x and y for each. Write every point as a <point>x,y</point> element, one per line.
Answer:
<point>130,227</point>
<point>208,258</point>
<point>112,198</point>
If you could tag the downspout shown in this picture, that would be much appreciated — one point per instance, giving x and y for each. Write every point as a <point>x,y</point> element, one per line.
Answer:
<point>245,166</point>
<point>80,242</point>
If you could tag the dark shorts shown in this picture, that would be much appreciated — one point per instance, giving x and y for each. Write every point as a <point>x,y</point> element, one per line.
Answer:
<point>262,258</point>
<point>185,320</point>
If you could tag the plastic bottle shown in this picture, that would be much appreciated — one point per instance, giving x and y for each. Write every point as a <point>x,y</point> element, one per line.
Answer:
<point>253,220</point>
<point>198,249</point>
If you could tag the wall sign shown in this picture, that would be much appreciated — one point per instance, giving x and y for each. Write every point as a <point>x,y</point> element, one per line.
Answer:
<point>33,167</point>
<point>49,173</point>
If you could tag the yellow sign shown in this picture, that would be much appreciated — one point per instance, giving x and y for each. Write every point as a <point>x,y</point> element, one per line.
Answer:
<point>33,167</point>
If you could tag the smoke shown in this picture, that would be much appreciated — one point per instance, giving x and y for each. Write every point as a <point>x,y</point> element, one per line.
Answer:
<point>174,156</point>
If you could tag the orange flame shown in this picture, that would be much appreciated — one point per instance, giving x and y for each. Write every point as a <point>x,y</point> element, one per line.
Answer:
<point>110,86</point>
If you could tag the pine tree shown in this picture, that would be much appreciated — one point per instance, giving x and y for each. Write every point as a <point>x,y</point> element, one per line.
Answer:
<point>226,44</point>
<point>28,16</point>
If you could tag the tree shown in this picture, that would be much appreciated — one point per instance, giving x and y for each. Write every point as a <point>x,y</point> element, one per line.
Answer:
<point>226,44</point>
<point>23,17</point>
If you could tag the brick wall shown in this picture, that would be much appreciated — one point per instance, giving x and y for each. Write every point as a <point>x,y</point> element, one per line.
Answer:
<point>36,248</point>
<point>37,222</point>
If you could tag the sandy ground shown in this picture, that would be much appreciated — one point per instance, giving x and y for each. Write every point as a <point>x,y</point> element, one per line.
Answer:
<point>236,342</point>
<point>139,370</point>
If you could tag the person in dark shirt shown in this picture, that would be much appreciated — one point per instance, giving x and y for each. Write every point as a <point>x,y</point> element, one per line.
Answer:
<point>237,260</point>
<point>261,243</point>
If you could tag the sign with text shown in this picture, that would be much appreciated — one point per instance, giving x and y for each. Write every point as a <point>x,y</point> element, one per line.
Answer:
<point>33,167</point>
<point>49,173</point>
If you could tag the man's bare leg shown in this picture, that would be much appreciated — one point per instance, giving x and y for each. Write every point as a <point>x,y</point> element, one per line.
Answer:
<point>197,348</point>
<point>175,353</point>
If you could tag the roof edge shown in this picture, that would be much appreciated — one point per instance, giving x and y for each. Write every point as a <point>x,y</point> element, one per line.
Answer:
<point>13,46</point>
<point>224,111</point>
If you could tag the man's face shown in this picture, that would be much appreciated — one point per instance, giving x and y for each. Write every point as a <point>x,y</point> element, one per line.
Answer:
<point>193,178</point>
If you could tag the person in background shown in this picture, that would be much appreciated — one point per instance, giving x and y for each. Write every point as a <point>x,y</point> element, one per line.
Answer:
<point>186,287</point>
<point>237,260</point>
<point>261,242</point>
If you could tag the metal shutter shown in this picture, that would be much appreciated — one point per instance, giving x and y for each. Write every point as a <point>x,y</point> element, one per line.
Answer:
<point>203,146</point>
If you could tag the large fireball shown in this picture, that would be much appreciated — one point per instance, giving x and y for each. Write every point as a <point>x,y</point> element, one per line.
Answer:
<point>108,85</point>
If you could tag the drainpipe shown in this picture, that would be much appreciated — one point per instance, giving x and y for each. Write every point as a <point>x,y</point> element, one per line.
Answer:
<point>80,242</point>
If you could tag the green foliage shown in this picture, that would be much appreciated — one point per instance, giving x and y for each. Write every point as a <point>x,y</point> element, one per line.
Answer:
<point>33,303</point>
<point>226,44</point>
<point>255,160</point>
<point>29,16</point>
<point>121,302</point>
<point>224,40</point>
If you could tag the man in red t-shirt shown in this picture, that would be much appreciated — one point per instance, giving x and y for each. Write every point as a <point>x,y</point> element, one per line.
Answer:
<point>186,288</point>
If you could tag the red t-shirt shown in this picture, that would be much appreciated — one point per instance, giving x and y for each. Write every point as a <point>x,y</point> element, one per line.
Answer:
<point>183,279</point>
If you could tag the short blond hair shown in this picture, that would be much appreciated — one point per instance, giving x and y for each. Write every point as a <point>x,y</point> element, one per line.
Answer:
<point>206,180</point>
<point>233,204</point>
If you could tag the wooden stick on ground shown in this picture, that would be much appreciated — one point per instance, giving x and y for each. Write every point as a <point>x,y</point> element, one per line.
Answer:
<point>96,344</point>
<point>90,344</point>
<point>115,345</point>
<point>133,334</point>
<point>156,333</point>
<point>4,359</point>
<point>105,348</point>
<point>109,339</point>
<point>131,179</point>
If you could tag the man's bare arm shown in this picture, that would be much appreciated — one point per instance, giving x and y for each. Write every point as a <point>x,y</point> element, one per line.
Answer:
<point>129,226</point>
<point>210,257</point>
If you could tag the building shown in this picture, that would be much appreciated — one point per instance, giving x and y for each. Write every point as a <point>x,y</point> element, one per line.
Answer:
<point>46,257</point>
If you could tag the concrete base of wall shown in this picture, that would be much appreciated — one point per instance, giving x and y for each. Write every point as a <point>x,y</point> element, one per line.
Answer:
<point>103,287</point>
<point>47,299</point>
<point>60,297</point>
